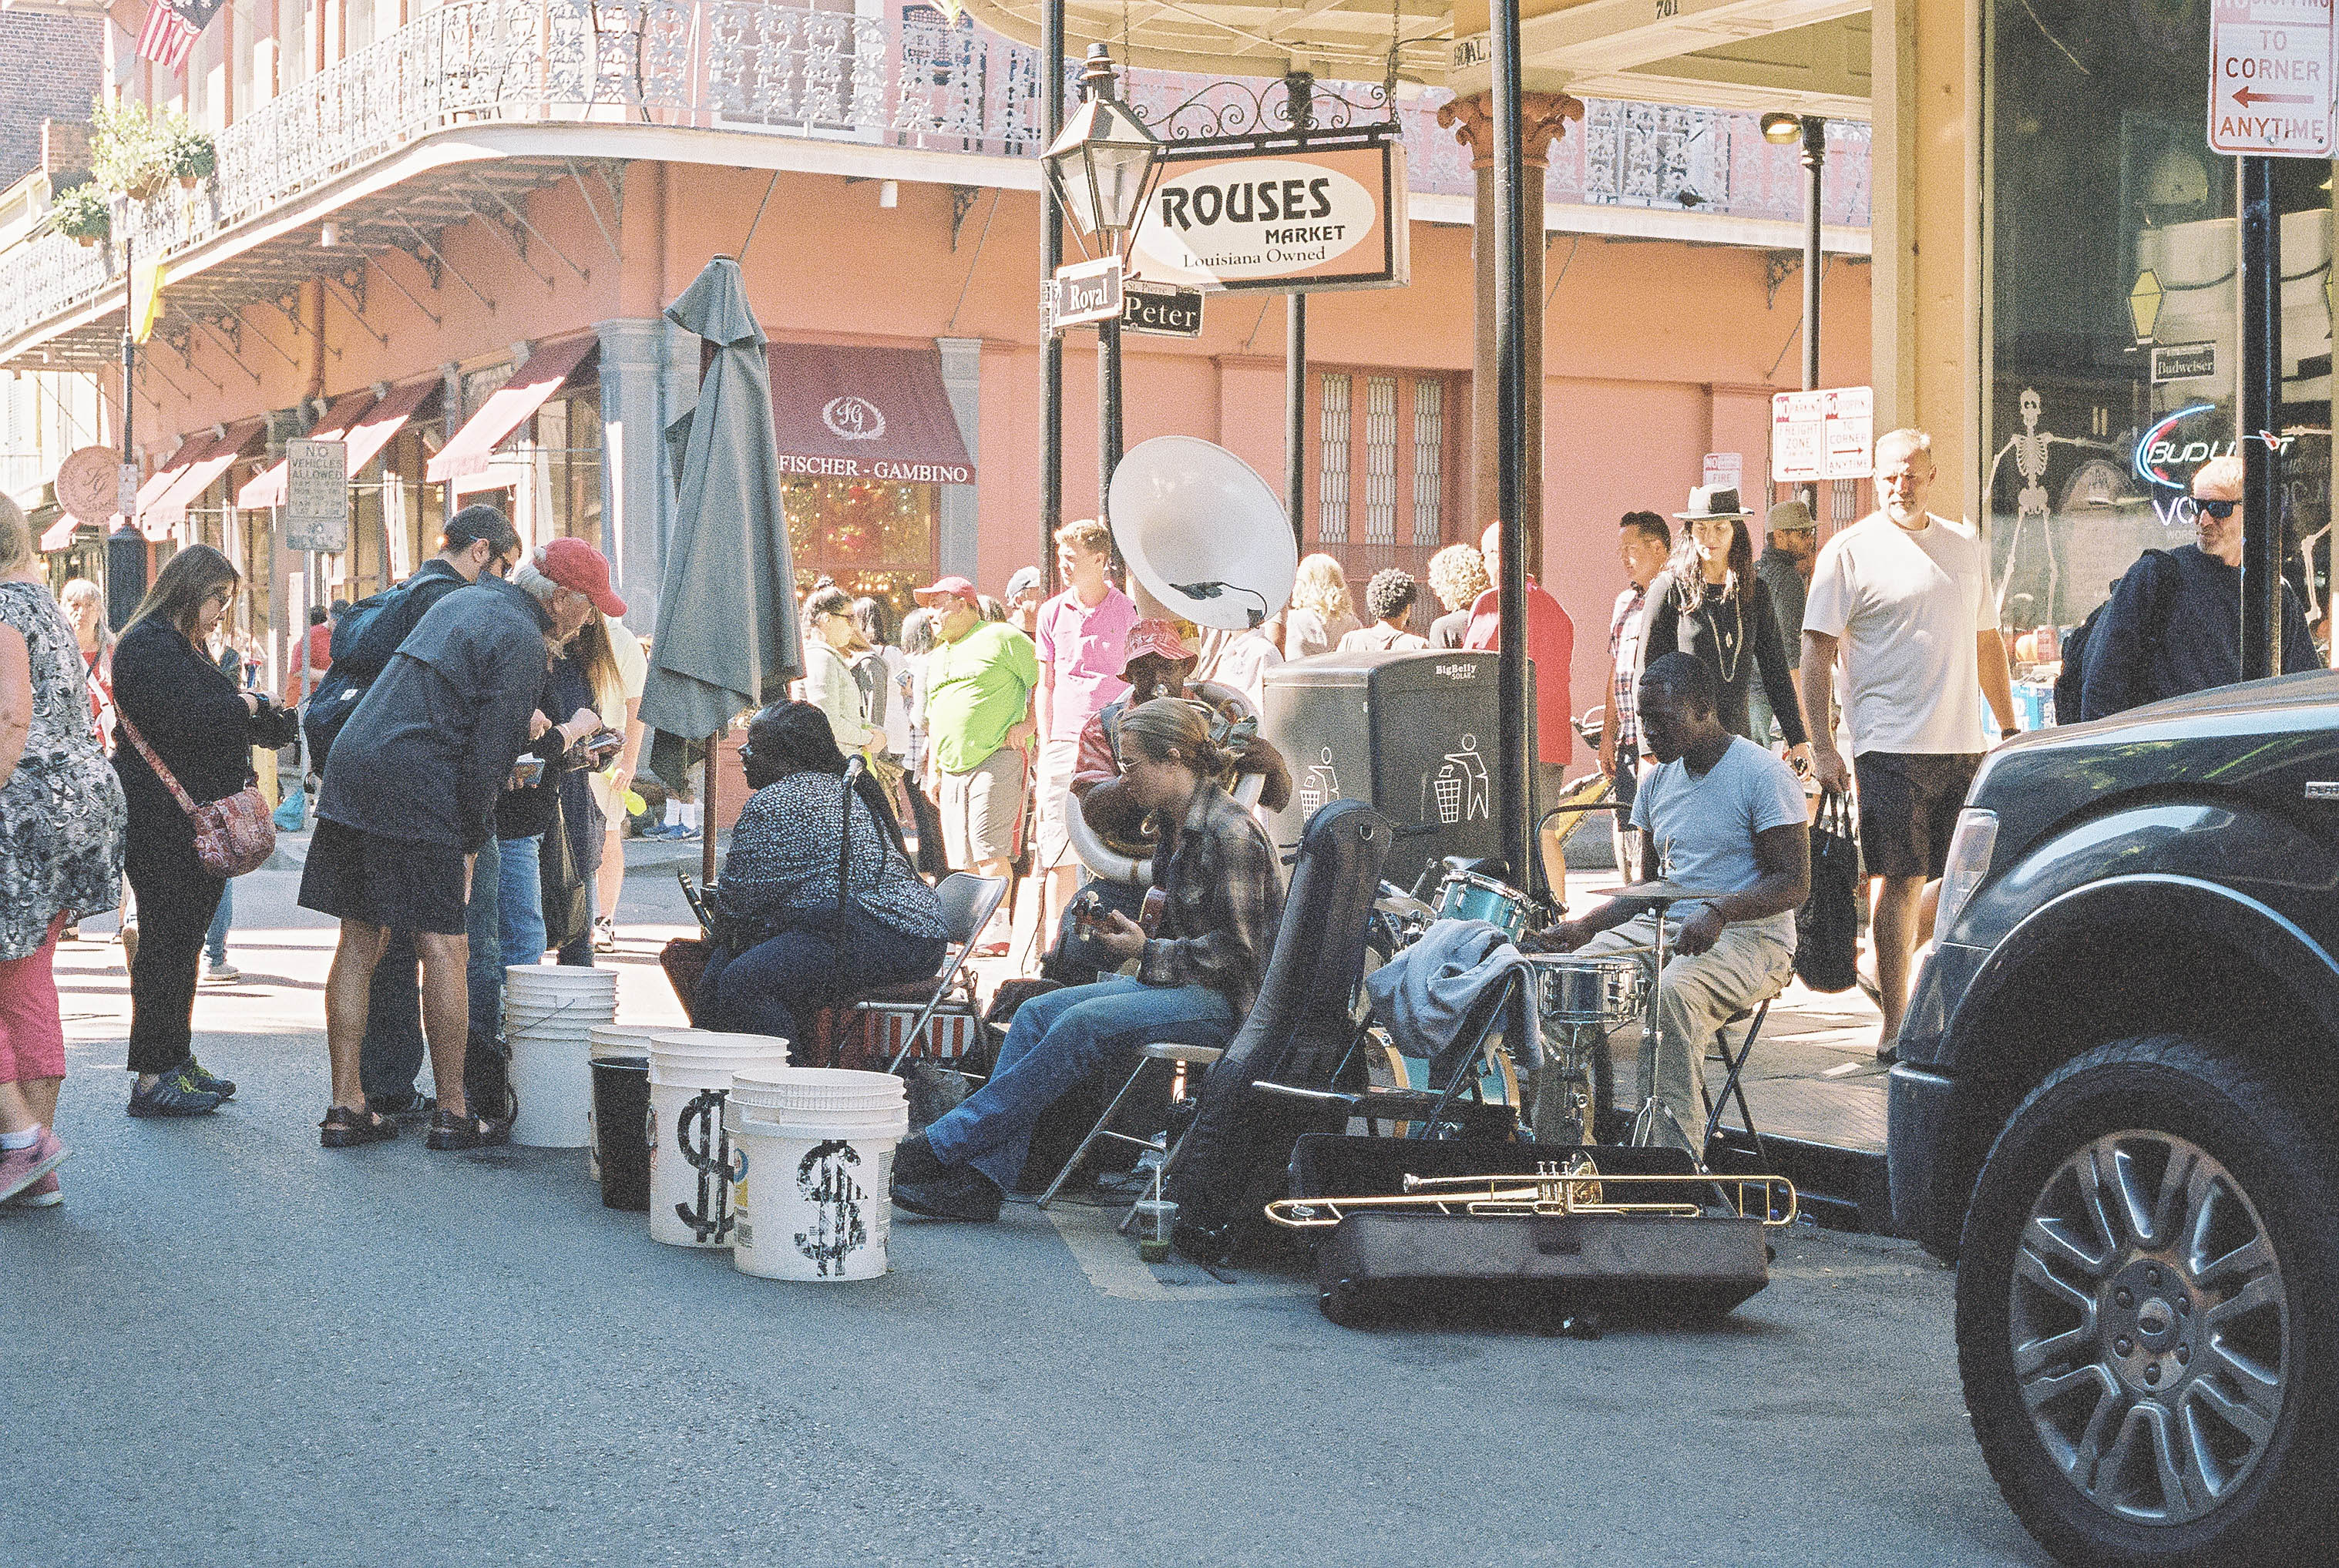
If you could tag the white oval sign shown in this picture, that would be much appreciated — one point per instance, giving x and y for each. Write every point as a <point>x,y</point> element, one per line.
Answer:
<point>1257,218</point>
<point>854,419</point>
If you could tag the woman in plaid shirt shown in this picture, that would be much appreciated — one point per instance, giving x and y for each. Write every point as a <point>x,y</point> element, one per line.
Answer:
<point>1196,978</point>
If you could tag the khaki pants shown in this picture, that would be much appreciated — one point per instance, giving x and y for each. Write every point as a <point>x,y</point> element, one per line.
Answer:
<point>1698,995</point>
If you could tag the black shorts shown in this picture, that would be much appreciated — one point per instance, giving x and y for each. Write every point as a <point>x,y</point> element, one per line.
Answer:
<point>1908,805</point>
<point>397,882</point>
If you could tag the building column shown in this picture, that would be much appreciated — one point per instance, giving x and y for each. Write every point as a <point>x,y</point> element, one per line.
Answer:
<point>961,512</point>
<point>638,360</point>
<point>1543,120</point>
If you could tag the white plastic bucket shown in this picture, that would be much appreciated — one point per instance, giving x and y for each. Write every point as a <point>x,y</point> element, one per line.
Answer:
<point>621,1039</point>
<point>552,1076</point>
<point>693,1163</point>
<point>814,1196</point>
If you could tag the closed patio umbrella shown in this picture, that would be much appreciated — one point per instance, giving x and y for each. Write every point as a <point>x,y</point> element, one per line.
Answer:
<point>726,631</point>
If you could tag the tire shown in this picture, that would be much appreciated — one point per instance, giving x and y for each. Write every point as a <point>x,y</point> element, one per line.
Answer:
<point>2151,1388</point>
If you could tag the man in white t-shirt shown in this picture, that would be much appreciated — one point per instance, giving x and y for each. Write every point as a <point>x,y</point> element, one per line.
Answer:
<point>1903,598</point>
<point>1720,815</point>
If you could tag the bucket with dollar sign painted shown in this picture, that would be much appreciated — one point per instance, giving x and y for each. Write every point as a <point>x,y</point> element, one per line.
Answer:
<point>693,1162</point>
<point>815,1152</point>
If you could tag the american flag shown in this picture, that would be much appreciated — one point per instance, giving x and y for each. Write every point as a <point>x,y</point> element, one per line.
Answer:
<point>171,29</point>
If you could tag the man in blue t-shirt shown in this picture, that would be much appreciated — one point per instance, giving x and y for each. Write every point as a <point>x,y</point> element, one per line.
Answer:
<point>1721,815</point>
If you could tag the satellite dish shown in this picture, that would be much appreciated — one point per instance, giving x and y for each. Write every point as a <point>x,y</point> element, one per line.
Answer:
<point>1202,531</point>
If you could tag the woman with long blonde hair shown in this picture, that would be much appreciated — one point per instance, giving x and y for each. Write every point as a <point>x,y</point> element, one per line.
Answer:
<point>1321,612</point>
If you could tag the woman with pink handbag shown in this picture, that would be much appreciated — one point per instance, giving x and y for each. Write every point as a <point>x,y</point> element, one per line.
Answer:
<point>184,756</point>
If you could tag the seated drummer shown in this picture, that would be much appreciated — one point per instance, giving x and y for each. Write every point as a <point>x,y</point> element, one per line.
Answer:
<point>1722,814</point>
<point>1196,979</point>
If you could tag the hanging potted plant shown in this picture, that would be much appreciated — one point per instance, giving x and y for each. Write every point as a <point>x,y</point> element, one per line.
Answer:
<point>129,148</point>
<point>190,154</point>
<point>82,213</point>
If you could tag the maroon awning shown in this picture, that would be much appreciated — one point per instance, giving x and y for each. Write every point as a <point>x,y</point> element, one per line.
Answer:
<point>866,414</point>
<point>468,451</point>
<point>266,487</point>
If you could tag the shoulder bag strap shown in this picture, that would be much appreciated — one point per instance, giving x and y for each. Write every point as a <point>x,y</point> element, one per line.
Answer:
<point>170,782</point>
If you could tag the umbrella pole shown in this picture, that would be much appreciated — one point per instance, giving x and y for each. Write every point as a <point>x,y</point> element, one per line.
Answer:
<point>706,812</point>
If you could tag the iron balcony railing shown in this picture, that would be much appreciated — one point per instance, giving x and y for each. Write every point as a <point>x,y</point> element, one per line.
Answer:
<point>755,67</point>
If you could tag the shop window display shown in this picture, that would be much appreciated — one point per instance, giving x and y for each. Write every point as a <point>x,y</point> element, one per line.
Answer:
<point>871,538</point>
<point>2113,305</point>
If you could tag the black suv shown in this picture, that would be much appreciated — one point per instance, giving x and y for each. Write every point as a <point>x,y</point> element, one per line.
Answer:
<point>2116,1105</point>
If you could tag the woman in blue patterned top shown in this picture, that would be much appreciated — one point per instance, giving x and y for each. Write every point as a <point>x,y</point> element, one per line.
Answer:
<point>785,948</point>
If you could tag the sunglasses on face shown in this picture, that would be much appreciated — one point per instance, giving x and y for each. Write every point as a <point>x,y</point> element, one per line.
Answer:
<point>2218,509</point>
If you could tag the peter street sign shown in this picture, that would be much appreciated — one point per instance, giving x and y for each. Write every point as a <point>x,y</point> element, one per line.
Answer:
<point>1163,310</point>
<point>1081,291</point>
<point>2270,67</point>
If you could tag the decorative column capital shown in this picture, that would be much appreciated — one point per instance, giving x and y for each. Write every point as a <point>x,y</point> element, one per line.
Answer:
<point>1543,120</point>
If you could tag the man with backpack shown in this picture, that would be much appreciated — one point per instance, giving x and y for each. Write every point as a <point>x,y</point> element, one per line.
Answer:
<point>477,540</point>
<point>2174,623</point>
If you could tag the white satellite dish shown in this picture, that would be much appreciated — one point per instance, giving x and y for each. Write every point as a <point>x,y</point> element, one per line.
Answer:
<point>1203,532</point>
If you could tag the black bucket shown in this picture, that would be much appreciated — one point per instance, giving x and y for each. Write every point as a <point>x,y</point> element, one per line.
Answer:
<point>621,1114</point>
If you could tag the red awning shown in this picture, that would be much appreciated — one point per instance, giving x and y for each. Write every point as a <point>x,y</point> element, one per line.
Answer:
<point>266,487</point>
<point>866,414</point>
<point>164,477</point>
<point>169,508</point>
<point>60,535</point>
<point>531,385</point>
<point>383,423</point>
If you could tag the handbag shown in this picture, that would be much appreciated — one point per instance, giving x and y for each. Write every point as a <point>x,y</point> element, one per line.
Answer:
<point>233,835</point>
<point>561,882</point>
<point>1827,928</point>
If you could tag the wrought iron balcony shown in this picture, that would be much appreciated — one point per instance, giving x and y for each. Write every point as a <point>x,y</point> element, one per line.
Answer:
<point>757,68</point>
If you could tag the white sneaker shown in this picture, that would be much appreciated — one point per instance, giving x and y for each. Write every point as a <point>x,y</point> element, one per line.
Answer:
<point>222,972</point>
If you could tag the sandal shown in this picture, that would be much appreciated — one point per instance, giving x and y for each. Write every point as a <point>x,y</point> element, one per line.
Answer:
<point>449,1131</point>
<point>345,1129</point>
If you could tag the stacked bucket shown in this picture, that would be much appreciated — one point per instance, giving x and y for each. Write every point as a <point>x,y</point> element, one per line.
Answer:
<point>549,1013</point>
<point>693,1162</point>
<point>815,1163</point>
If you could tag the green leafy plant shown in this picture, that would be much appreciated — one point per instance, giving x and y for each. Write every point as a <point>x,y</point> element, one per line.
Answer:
<point>191,154</point>
<point>81,212</point>
<point>130,147</point>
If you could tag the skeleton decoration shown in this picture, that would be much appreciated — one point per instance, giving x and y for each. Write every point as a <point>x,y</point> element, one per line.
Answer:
<point>2030,448</point>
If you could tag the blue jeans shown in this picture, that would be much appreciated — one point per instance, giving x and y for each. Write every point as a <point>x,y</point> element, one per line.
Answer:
<point>776,986</point>
<point>482,919</point>
<point>1056,1040</point>
<point>520,901</point>
<point>215,938</point>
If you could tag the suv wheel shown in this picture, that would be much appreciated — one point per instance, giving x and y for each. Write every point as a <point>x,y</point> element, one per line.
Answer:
<point>2145,1311</point>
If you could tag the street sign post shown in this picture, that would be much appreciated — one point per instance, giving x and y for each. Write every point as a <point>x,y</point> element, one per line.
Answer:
<point>1822,436</point>
<point>316,516</point>
<point>1163,310</point>
<point>1083,291</point>
<point>2270,72</point>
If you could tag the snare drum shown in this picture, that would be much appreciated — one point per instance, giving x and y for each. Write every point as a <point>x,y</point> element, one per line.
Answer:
<point>1575,988</point>
<point>1466,895</point>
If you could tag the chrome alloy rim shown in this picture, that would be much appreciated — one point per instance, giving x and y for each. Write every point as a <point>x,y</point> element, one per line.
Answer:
<point>2150,1331</point>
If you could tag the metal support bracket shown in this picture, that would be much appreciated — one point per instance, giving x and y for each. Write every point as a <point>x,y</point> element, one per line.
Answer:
<point>1778,266</point>
<point>440,257</point>
<point>594,207</point>
<point>519,217</point>
<point>962,200</point>
<point>514,242</point>
<point>357,311</point>
<point>381,266</point>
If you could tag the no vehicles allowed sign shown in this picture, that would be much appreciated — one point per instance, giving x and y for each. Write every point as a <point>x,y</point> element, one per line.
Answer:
<point>2270,78</point>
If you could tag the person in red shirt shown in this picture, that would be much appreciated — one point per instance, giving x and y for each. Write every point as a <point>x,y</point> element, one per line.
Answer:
<point>1551,644</point>
<point>321,652</point>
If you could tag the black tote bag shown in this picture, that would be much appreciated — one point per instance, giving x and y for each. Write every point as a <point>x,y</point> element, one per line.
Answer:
<point>1827,928</point>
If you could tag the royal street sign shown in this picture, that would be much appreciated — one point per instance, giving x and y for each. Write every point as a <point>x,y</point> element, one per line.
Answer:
<point>2270,69</point>
<point>1081,291</point>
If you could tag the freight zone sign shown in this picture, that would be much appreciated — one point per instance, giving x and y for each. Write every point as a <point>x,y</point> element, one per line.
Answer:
<point>2270,78</point>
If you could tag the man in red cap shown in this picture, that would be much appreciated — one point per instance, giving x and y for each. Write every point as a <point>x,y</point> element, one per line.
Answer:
<point>409,800</point>
<point>979,683</point>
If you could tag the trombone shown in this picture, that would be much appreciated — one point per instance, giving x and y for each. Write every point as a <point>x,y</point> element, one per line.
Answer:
<point>1574,1186</point>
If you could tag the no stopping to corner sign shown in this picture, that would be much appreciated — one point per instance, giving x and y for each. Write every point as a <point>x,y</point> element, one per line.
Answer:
<point>2270,78</point>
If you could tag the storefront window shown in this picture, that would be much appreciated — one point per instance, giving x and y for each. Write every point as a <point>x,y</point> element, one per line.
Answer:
<point>568,433</point>
<point>873,538</point>
<point>2113,309</point>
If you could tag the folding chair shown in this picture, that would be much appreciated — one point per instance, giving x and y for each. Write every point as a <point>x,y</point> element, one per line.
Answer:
<point>1736,1064</point>
<point>1182,1059</point>
<point>967,902</point>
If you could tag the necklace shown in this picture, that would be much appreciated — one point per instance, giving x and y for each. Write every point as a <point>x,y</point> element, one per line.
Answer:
<point>1732,646</point>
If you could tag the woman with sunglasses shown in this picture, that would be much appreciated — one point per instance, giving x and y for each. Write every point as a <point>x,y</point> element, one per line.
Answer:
<point>169,692</point>
<point>1708,604</point>
<point>832,639</point>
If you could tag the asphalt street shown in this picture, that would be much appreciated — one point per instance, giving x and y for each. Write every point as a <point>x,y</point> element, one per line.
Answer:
<point>231,1346</point>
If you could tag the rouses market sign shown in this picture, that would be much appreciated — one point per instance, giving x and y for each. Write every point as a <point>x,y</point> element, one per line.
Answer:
<point>1323,210</point>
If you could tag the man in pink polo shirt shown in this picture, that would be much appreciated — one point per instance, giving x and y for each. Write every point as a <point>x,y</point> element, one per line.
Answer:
<point>1551,644</point>
<point>1082,635</point>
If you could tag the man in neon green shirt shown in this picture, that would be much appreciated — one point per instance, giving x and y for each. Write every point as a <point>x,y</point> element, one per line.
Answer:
<point>979,683</point>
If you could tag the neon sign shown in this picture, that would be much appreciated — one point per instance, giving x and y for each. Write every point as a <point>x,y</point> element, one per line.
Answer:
<point>2157,449</point>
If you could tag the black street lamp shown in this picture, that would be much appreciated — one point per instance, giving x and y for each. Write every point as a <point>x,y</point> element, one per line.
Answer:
<point>1784,129</point>
<point>1102,168</point>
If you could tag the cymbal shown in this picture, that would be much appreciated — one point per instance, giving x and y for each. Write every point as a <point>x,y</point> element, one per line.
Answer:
<point>1664,892</point>
<point>1404,906</point>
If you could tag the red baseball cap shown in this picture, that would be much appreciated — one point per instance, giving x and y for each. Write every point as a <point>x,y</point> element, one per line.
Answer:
<point>940,586</point>
<point>1156,637</point>
<point>578,566</point>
